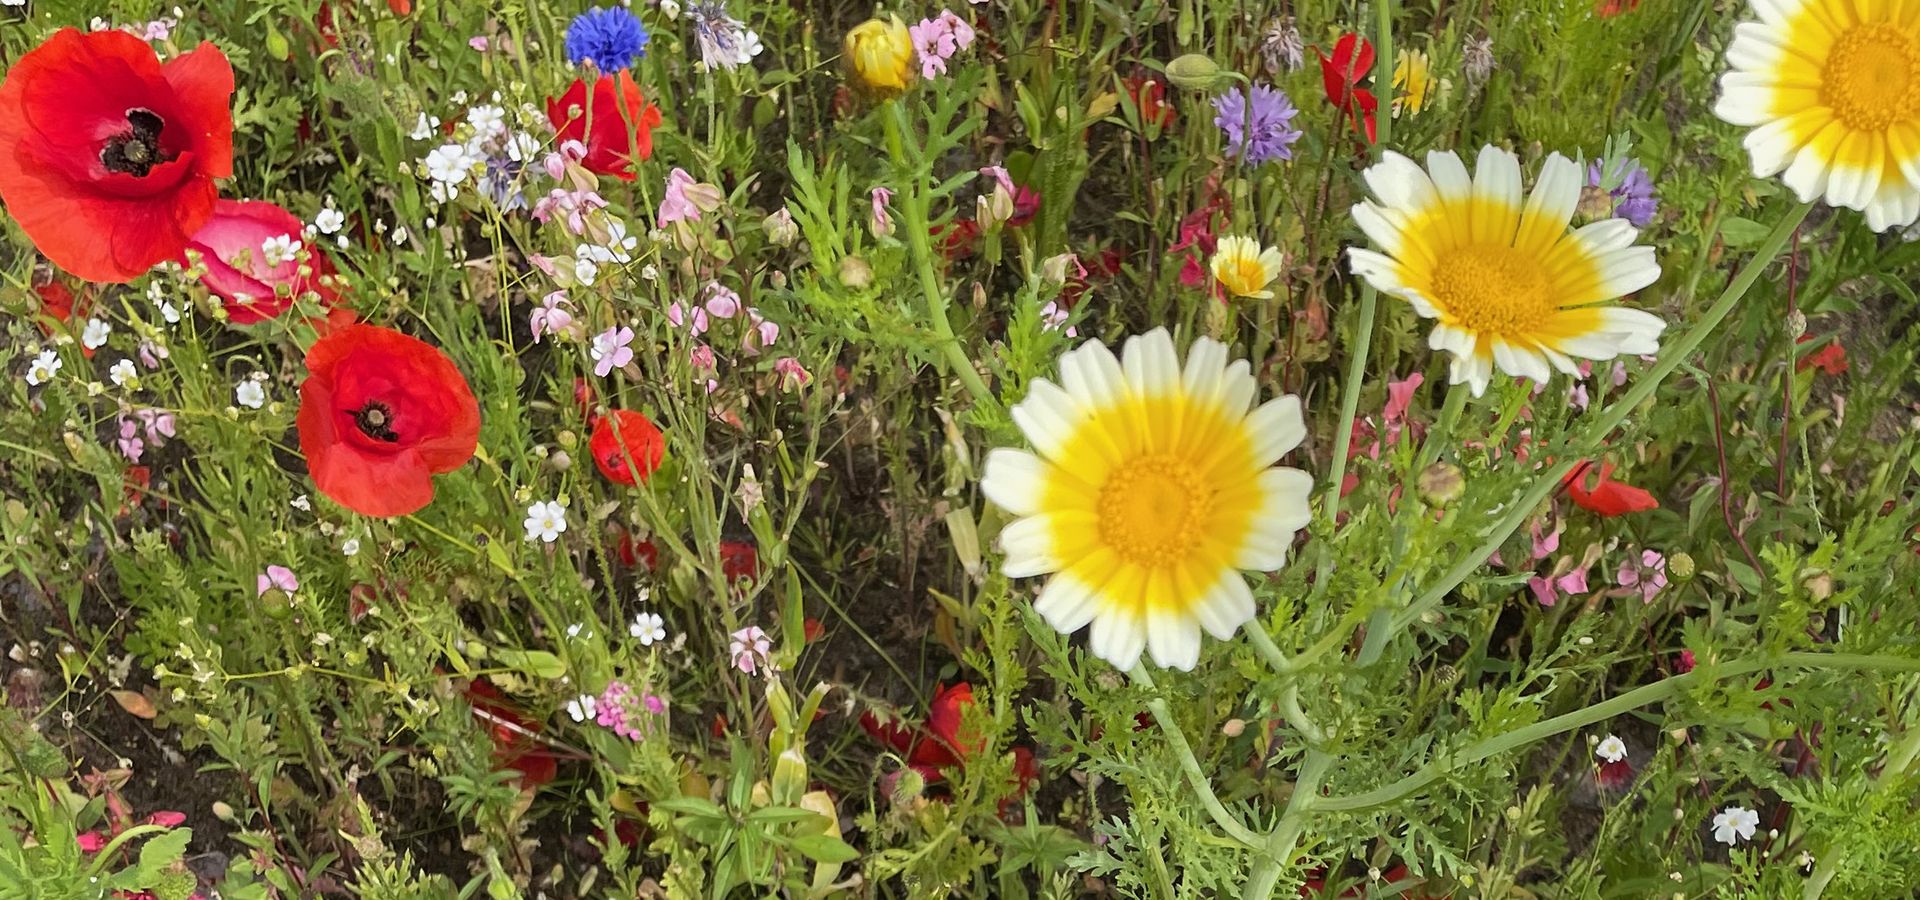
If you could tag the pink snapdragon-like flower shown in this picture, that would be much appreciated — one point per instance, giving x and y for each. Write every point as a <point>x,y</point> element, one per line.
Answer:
<point>573,206</point>
<point>722,302</point>
<point>792,374</point>
<point>1053,316</point>
<point>1648,577</point>
<point>681,317</point>
<point>550,318</point>
<point>686,199</point>
<point>882,224</point>
<point>611,350</point>
<point>1547,589</point>
<point>279,577</point>
<point>129,442</point>
<point>749,649</point>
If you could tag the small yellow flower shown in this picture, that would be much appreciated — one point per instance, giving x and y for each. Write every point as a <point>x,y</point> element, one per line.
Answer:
<point>879,55</point>
<point>1244,269</point>
<point>1414,86</point>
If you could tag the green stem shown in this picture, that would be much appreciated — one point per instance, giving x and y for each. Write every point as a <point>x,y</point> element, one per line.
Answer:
<point>917,188</point>
<point>1195,775</point>
<point>1443,430</point>
<point>1264,645</point>
<point>1343,434</point>
<point>1670,358</point>
<point>1606,709</point>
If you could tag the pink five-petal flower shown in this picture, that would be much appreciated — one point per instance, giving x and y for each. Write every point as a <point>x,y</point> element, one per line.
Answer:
<point>611,350</point>
<point>680,317</point>
<point>550,318</point>
<point>749,648</point>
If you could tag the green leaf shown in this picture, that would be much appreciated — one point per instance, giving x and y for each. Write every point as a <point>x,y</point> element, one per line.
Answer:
<point>825,848</point>
<point>1744,575</point>
<point>533,662</point>
<point>691,806</point>
<point>162,851</point>
<point>1740,232</point>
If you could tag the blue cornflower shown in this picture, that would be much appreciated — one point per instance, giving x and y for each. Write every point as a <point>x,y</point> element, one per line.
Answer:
<point>1256,126</point>
<point>612,38</point>
<point>1632,193</point>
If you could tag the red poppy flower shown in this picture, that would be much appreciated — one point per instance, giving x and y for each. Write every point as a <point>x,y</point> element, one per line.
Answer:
<point>514,744</point>
<point>107,157</point>
<point>1341,74</point>
<point>637,553</point>
<point>1199,238</point>
<point>400,7</point>
<point>229,248</point>
<point>1149,97</point>
<point>1831,359</point>
<point>738,560</point>
<point>936,745</point>
<point>955,239</point>
<point>381,413</point>
<point>637,438</point>
<point>1026,205</point>
<point>57,302</point>
<point>617,128</point>
<point>1607,497</point>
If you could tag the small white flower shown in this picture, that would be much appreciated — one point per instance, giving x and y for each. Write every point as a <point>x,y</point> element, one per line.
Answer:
<point>459,97</point>
<point>583,707</point>
<point>448,163</point>
<point>123,373</point>
<point>350,547</point>
<point>329,220</point>
<point>577,629</point>
<point>487,121</point>
<point>1611,749</point>
<point>95,334</point>
<point>584,270</point>
<point>670,9</point>
<point>619,243</point>
<point>301,503</point>
<point>649,273</point>
<point>750,47</point>
<point>342,241</point>
<point>399,234</point>
<point>545,521</point>
<point>648,627</point>
<point>1735,823</point>
<point>278,250</point>
<point>322,639</point>
<point>423,128</point>
<point>249,393</point>
<point>43,367</point>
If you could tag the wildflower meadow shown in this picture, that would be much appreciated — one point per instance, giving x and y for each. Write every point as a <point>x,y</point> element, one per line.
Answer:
<point>976,449</point>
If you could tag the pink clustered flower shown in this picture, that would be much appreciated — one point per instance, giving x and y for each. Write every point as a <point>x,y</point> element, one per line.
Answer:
<point>723,303</point>
<point>938,39</point>
<point>155,424</point>
<point>1648,577</point>
<point>573,206</point>
<point>627,711</point>
<point>277,577</point>
<point>749,649</point>
<point>550,318</point>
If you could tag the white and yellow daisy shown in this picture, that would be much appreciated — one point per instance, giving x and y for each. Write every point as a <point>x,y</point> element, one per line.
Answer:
<point>1152,488</point>
<point>1831,89</point>
<point>1243,268</point>
<point>1510,286</point>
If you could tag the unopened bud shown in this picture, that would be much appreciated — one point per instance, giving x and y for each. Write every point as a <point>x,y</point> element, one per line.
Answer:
<point>855,273</point>
<point>1194,71</point>
<point>780,228</point>
<point>789,777</point>
<point>1796,324</point>
<point>560,461</point>
<point>1440,485</point>
<point>1234,728</point>
<point>1820,586</point>
<point>909,784</point>
<point>1595,203</point>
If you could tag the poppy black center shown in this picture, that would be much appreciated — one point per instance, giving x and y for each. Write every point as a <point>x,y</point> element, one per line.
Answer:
<point>375,420</point>
<point>137,150</point>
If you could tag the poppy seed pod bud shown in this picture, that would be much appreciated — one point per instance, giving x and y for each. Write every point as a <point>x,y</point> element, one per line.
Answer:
<point>1441,485</point>
<point>1194,71</point>
<point>908,784</point>
<point>1680,567</point>
<point>560,461</point>
<point>879,56</point>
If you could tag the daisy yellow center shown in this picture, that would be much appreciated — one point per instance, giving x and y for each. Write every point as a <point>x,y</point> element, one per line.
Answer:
<point>1153,510</point>
<point>1493,289</point>
<point>1245,276</point>
<point>1872,77</point>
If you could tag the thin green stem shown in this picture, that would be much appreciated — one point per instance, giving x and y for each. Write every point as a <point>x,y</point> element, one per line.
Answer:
<point>1670,359</point>
<point>917,187</point>
<point>1293,823</point>
<point>1443,430</point>
<point>1343,433</point>
<point>1264,645</point>
<point>1195,775</point>
<point>1606,709</point>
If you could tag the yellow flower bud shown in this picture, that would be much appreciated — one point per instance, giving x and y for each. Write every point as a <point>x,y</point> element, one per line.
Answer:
<point>879,55</point>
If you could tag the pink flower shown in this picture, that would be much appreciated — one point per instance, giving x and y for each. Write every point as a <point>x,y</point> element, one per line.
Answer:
<point>686,199</point>
<point>722,302</point>
<point>791,373</point>
<point>478,42</point>
<point>166,818</point>
<point>1000,176</point>
<point>762,334</point>
<point>1054,316</point>
<point>158,424</point>
<point>542,263</point>
<point>1544,544</point>
<point>574,205</point>
<point>1400,396</point>
<point>937,39</point>
<point>130,445</point>
<point>92,842</point>
<point>279,577</point>
<point>882,223</point>
<point>1648,577</point>
<point>680,317</point>
<point>625,710</point>
<point>610,350</point>
<point>702,358</point>
<point>550,318</point>
<point>1547,590</point>
<point>749,649</point>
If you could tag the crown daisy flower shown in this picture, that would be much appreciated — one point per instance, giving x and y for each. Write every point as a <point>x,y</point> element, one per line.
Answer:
<point>1152,487</point>
<point>1831,89</point>
<point>1243,269</point>
<point>1509,285</point>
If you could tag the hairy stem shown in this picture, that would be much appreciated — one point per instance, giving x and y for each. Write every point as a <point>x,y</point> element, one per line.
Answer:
<point>1196,776</point>
<point>917,187</point>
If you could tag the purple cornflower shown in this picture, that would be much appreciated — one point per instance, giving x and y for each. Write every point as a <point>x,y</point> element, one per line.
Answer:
<point>502,182</point>
<point>1255,126</point>
<point>610,38</point>
<point>1633,193</point>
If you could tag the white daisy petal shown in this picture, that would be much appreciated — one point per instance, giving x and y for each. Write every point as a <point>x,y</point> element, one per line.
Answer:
<point>1152,366</point>
<point>1016,480</point>
<point>1276,427</point>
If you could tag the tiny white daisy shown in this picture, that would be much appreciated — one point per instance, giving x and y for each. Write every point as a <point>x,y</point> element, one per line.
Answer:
<point>648,627</point>
<point>278,250</point>
<point>43,367</point>
<point>545,521</point>
<point>329,220</point>
<point>95,334</point>
<point>583,707</point>
<point>301,503</point>
<point>1735,823</point>
<point>249,393</point>
<point>350,547</point>
<point>123,373</point>
<point>1611,749</point>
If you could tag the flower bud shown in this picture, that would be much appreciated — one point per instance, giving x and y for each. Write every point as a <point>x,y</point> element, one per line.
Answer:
<point>789,777</point>
<point>1796,324</point>
<point>1441,485</point>
<point>855,273</point>
<point>879,56</point>
<point>1234,728</point>
<point>780,228</point>
<point>1680,567</point>
<point>1194,71</point>
<point>1819,585</point>
<point>1595,203</point>
<point>560,461</point>
<point>908,785</point>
